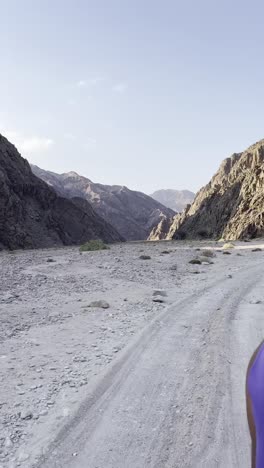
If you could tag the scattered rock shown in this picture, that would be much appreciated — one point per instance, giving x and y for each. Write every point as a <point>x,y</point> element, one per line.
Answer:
<point>100,304</point>
<point>257,301</point>
<point>206,260</point>
<point>159,299</point>
<point>208,253</point>
<point>26,414</point>
<point>257,249</point>
<point>195,261</point>
<point>159,292</point>
<point>144,257</point>
<point>8,442</point>
<point>50,260</point>
<point>227,253</point>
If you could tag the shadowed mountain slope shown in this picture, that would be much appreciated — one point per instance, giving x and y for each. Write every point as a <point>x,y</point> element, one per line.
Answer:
<point>33,215</point>
<point>132,213</point>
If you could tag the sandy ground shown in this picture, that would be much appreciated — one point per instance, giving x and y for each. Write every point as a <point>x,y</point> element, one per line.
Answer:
<point>141,383</point>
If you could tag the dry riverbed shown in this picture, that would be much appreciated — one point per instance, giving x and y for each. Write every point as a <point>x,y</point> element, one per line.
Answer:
<point>53,345</point>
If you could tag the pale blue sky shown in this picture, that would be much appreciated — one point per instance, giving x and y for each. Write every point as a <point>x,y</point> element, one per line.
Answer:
<point>145,93</point>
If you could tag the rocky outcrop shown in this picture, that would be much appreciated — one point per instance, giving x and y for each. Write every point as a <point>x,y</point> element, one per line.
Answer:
<point>33,215</point>
<point>177,200</point>
<point>231,206</point>
<point>160,232</point>
<point>132,213</point>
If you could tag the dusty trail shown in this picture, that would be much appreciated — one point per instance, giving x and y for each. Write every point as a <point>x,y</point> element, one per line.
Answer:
<point>175,396</point>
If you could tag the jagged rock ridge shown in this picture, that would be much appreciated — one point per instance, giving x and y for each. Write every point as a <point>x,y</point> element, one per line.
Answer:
<point>177,200</point>
<point>132,213</point>
<point>231,205</point>
<point>33,215</point>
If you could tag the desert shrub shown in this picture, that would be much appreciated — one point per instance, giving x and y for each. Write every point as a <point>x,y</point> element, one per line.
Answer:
<point>228,246</point>
<point>208,253</point>
<point>93,245</point>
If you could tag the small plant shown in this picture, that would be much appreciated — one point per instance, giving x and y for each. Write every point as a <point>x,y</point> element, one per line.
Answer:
<point>208,253</point>
<point>228,246</point>
<point>93,245</point>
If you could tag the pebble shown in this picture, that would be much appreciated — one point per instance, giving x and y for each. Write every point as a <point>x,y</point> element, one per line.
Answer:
<point>100,304</point>
<point>8,442</point>
<point>159,292</point>
<point>26,414</point>
<point>159,299</point>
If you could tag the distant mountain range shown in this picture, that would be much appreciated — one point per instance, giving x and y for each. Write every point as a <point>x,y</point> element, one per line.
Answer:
<point>177,200</point>
<point>230,206</point>
<point>43,209</point>
<point>33,215</point>
<point>133,214</point>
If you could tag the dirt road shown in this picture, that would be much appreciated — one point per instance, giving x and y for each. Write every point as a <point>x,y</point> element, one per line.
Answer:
<point>174,397</point>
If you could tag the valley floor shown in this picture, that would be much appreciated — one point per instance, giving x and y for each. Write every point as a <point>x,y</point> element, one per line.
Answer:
<point>141,383</point>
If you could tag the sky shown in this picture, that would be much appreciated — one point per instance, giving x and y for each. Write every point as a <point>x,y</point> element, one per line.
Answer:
<point>150,94</point>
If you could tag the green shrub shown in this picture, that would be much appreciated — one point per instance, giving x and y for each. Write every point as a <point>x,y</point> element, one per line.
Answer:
<point>93,245</point>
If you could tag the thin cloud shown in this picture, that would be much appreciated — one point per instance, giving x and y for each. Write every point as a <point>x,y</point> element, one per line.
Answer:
<point>90,143</point>
<point>81,84</point>
<point>120,88</point>
<point>28,144</point>
<point>89,82</point>
<point>69,136</point>
<point>36,144</point>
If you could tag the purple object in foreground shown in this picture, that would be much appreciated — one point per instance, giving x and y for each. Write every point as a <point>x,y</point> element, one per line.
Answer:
<point>256,390</point>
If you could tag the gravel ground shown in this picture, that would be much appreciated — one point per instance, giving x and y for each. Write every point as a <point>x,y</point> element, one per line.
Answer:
<point>54,348</point>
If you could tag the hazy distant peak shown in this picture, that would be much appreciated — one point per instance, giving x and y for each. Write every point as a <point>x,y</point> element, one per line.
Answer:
<point>177,200</point>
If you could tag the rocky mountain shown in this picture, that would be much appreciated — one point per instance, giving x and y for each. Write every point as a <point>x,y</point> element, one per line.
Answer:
<point>160,232</point>
<point>33,215</point>
<point>231,205</point>
<point>132,213</point>
<point>177,200</point>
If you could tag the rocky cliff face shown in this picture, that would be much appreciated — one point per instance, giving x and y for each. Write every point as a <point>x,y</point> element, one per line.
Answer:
<point>177,200</point>
<point>160,232</point>
<point>231,206</point>
<point>33,215</point>
<point>132,213</point>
